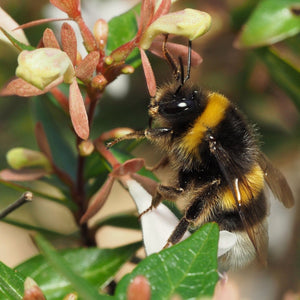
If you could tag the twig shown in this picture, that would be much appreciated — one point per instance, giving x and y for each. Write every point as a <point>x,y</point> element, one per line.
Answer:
<point>26,197</point>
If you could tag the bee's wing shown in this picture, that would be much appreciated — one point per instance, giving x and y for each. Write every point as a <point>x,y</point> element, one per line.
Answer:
<point>276,182</point>
<point>231,171</point>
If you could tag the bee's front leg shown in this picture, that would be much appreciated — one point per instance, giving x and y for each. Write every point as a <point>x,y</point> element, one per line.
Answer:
<point>163,192</point>
<point>157,133</point>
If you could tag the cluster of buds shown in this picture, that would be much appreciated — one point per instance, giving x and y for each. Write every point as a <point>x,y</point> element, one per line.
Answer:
<point>42,69</point>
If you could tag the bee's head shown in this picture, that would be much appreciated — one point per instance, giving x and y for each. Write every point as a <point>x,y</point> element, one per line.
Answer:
<point>172,105</point>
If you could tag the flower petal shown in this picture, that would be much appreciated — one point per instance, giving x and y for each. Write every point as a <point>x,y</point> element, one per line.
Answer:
<point>157,224</point>
<point>78,113</point>
<point>226,241</point>
<point>9,24</point>
<point>163,8</point>
<point>42,66</point>
<point>176,50</point>
<point>130,166</point>
<point>189,23</point>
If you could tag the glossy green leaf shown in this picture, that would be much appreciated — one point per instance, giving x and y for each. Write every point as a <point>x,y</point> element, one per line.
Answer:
<point>271,22</point>
<point>188,269</point>
<point>92,268</point>
<point>122,29</point>
<point>34,228</point>
<point>129,221</point>
<point>26,187</point>
<point>17,44</point>
<point>11,283</point>
<point>283,73</point>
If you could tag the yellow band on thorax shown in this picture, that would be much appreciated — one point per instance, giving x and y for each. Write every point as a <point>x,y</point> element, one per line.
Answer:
<point>212,115</point>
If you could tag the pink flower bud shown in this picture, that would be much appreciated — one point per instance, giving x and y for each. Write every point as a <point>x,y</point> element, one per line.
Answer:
<point>101,33</point>
<point>43,66</point>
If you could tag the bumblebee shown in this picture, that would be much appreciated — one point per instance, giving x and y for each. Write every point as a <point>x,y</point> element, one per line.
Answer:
<point>219,172</point>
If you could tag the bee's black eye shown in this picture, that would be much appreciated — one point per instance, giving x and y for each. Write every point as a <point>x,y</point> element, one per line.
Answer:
<point>176,107</point>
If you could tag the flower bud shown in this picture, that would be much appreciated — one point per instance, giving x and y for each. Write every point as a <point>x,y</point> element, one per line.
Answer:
<point>127,70</point>
<point>189,23</point>
<point>19,158</point>
<point>100,31</point>
<point>86,148</point>
<point>42,66</point>
<point>32,290</point>
<point>99,82</point>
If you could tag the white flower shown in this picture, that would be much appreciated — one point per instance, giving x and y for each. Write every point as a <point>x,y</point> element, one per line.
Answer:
<point>159,223</point>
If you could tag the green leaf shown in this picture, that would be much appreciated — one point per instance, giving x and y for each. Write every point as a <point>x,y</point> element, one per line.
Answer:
<point>11,283</point>
<point>271,22</point>
<point>79,269</point>
<point>23,188</point>
<point>129,221</point>
<point>122,29</point>
<point>188,269</point>
<point>58,131</point>
<point>35,228</point>
<point>283,73</point>
<point>17,44</point>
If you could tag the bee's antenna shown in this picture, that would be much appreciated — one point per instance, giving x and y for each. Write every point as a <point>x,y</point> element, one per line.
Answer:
<point>189,64</point>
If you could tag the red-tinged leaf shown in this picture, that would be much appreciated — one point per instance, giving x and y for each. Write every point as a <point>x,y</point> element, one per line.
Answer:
<point>49,39</point>
<point>139,289</point>
<point>176,50</point>
<point>150,79</point>
<point>147,183</point>
<point>8,25</point>
<point>71,7</point>
<point>147,11</point>
<point>98,200</point>
<point>89,40</point>
<point>22,175</point>
<point>87,66</point>
<point>21,88</point>
<point>42,141</point>
<point>128,167</point>
<point>163,8</point>
<point>78,113</point>
<point>40,22</point>
<point>69,42</point>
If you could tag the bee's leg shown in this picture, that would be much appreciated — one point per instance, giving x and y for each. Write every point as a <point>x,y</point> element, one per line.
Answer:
<point>130,136</point>
<point>156,133</point>
<point>196,208</point>
<point>163,192</point>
